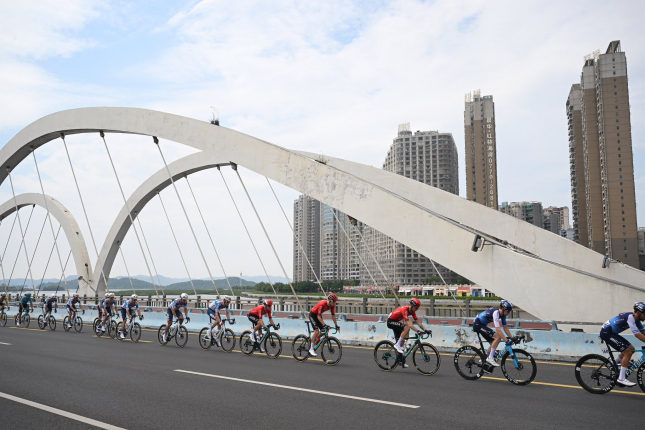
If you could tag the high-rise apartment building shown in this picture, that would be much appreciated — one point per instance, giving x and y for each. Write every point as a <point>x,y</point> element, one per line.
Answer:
<point>610,199</point>
<point>481,149</point>
<point>425,156</point>
<point>577,166</point>
<point>530,212</point>
<point>339,240</point>
<point>556,219</point>
<point>306,226</point>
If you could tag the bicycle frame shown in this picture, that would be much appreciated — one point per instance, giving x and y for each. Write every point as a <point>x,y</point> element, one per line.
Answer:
<point>500,352</point>
<point>324,334</point>
<point>266,333</point>
<point>417,341</point>
<point>633,364</point>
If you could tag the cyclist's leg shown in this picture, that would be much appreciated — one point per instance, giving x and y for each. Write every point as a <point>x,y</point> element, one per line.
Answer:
<point>316,325</point>
<point>254,320</point>
<point>621,345</point>
<point>488,334</point>
<point>258,328</point>
<point>124,318</point>
<point>70,313</point>
<point>212,314</point>
<point>169,323</point>
<point>396,327</point>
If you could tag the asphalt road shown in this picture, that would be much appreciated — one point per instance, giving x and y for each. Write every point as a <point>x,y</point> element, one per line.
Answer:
<point>137,386</point>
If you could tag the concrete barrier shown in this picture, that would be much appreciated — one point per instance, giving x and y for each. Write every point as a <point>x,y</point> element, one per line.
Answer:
<point>542,344</point>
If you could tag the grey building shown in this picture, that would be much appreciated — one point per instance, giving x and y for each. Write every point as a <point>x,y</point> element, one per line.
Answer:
<point>556,219</point>
<point>530,212</point>
<point>425,156</point>
<point>338,241</point>
<point>306,226</point>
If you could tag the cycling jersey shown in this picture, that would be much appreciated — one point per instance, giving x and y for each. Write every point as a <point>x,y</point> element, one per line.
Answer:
<point>50,300</point>
<point>322,307</point>
<point>102,303</point>
<point>176,304</point>
<point>260,311</point>
<point>24,301</point>
<point>491,315</point>
<point>71,302</point>
<point>130,305</point>
<point>108,303</point>
<point>622,322</point>
<point>402,314</point>
<point>218,305</point>
<point>4,300</point>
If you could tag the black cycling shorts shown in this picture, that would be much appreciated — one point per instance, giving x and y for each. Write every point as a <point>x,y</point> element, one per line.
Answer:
<point>486,332</point>
<point>616,341</point>
<point>397,327</point>
<point>315,322</point>
<point>254,319</point>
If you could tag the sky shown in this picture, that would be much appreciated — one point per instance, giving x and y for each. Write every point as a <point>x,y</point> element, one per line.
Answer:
<point>333,77</point>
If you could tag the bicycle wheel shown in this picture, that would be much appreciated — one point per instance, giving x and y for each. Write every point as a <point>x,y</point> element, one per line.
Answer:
<point>331,351</point>
<point>181,338</point>
<point>247,346</point>
<point>203,342</point>
<point>596,374</point>
<point>3,319</point>
<point>66,326</point>
<point>227,340</point>
<point>521,372</point>
<point>15,320</point>
<point>119,327</point>
<point>469,362</point>
<point>300,347</point>
<point>273,345</point>
<point>639,377</point>
<point>160,333</point>
<point>135,332</point>
<point>52,323</point>
<point>78,324</point>
<point>26,320</point>
<point>426,359</point>
<point>385,356</point>
<point>41,322</point>
<point>111,329</point>
<point>96,328</point>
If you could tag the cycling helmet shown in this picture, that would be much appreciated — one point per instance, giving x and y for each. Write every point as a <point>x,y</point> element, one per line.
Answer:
<point>268,303</point>
<point>505,304</point>
<point>184,296</point>
<point>639,306</point>
<point>76,295</point>
<point>333,297</point>
<point>226,298</point>
<point>28,294</point>
<point>4,294</point>
<point>55,295</point>
<point>415,302</point>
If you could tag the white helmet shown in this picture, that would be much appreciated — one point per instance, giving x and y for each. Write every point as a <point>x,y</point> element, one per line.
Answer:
<point>227,298</point>
<point>184,296</point>
<point>76,295</point>
<point>4,294</point>
<point>55,295</point>
<point>134,297</point>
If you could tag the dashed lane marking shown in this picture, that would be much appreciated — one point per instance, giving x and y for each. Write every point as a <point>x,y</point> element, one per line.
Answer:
<point>563,386</point>
<point>2,343</point>
<point>324,393</point>
<point>65,414</point>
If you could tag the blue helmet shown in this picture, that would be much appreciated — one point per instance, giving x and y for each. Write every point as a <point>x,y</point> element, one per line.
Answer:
<point>639,306</point>
<point>505,304</point>
<point>28,294</point>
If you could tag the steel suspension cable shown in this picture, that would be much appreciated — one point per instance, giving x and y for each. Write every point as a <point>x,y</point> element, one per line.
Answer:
<point>9,238</point>
<point>181,254</point>
<point>4,280</point>
<point>247,232</point>
<point>51,225</point>
<point>63,275</point>
<point>209,235</point>
<point>172,181</point>
<point>22,233</point>
<point>126,267</point>
<point>296,237</point>
<point>47,265</point>
<point>269,239</point>
<point>35,249</point>
<point>444,282</point>
<point>80,196</point>
<point>20,247</point>
<point>127,206</point>
<point>138,218</point>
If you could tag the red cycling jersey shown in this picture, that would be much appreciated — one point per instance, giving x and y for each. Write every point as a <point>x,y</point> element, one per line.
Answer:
<point>322,307</point>
<point>402,314</point>
<point>260,311</point>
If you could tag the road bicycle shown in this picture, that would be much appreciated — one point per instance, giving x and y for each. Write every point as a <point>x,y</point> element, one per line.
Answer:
<point>331,350</point>
<point>599,374</point>
<point>78,321</point>
<point>226,337</point>
<point>271,341</point>
<point>24,321</point>
<point>47,320</point>
<point>517,365</point>
<point>3,318</point>
<point>132,329</point>
<point>110,326</point>
<point>177,330</point>
<point>425,356</point>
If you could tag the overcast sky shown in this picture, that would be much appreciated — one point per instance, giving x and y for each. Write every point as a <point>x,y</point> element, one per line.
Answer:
<point>333,77</point>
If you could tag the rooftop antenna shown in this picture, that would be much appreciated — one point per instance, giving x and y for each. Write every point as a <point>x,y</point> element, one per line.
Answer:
<point>215,120</point>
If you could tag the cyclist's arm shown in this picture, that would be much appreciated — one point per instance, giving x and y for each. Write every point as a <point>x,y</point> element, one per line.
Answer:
<point>420,324</point>
<point>333,317</point>
<point>320,318</point>
<point>271,321</point>
<point>640,336</point>
<point>228,315</point>
<point>508,333</point>
<point>410,322</point>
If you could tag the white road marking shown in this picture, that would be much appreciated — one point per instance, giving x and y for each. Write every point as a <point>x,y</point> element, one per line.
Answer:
<point>69,415</point>
<point>2,343</point>
<point>364,399</point>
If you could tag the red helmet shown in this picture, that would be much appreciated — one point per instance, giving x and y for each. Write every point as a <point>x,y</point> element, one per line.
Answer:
<point>415,302</point>
<point>333,297</point>
<point>268,303</point>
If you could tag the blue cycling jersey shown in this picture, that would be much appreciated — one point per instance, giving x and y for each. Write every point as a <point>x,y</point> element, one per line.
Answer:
<point>622,322</point>
<point>25,300</point>
<point>102,303</point>
<point>130,304</point>
<point>71,302</point>
<point>218,305</point>
<point>49,300</point>
<point>176,304</point>
<point>491,315</point>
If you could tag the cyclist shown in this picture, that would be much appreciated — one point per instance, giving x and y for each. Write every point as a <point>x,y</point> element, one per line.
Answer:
<point>610,333</point>
<point>496,316</point>
<point>101,305</point>
<point>71,308</point>
<point>213,310</point>
<point>315,317</point>
<point>4,301</point>
<point>49,305</point>
<point>107,308</point>
<point>174,312</point>
<point>402,320</point>
<point>129,308</point>
<point>255,316</point>
<point>26,303</point>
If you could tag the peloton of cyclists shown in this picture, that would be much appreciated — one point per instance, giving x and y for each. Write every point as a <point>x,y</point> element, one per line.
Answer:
<point>26,302</point>
<point>49,305</point>
<point>71,308</point>
<point>498,317</point>
<point>255,316</point>
<point>402,320</point>
<point>610,333</point>
<point>4,301</point>
<point>213,310</point>
<point>315,317</point>
<point>174,312</point>
<point>129,309</point>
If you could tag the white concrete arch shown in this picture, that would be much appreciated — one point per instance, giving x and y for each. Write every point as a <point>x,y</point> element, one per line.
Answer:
<point>571,286</point>
<point>70,228</point>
